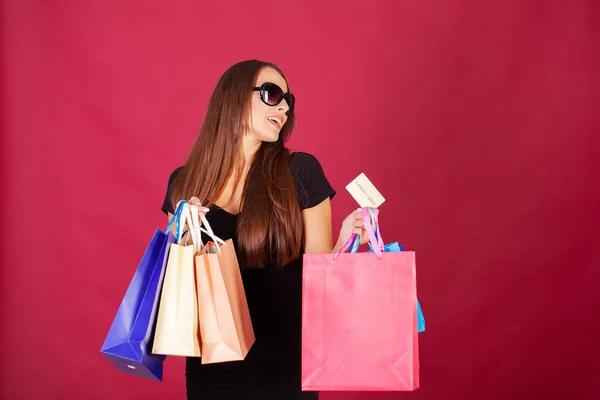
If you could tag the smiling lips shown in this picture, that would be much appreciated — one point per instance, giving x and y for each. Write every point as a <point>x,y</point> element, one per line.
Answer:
<point>276,120</point>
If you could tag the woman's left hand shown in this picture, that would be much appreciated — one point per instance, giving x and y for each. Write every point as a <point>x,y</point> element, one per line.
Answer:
<point>353,223</point>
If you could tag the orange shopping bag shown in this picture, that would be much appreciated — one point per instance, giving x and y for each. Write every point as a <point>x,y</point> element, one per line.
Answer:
<point>225,327</point>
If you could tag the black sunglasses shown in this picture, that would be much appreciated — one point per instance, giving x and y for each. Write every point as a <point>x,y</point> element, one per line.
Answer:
<point>271,95</point>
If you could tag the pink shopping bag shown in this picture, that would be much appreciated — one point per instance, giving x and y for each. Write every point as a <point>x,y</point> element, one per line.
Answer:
<point>359,319</point>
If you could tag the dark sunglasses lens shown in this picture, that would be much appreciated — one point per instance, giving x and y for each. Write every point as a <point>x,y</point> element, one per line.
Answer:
<point>272,93</point>
<point>290,100</point>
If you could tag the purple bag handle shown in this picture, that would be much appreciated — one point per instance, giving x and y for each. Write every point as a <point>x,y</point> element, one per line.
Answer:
<point>371,223</point>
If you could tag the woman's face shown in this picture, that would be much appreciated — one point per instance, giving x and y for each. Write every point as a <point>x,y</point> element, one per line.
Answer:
<point>266,121</point>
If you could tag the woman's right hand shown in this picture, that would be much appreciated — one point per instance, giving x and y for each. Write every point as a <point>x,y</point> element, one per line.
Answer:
<point>194,201</point>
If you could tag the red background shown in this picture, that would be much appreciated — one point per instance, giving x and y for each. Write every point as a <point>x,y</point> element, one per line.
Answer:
<point>477,120</point>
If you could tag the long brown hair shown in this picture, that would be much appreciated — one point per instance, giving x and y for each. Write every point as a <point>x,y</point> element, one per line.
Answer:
<point>270,224</point>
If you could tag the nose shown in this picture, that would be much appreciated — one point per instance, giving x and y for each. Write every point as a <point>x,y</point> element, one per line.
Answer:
<point>283,106</point>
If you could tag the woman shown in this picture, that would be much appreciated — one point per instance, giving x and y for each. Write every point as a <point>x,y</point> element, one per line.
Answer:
<point>275,205</point>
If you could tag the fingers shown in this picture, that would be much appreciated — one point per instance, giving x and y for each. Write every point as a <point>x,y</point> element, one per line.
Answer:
<point>358,226</point>
<point>358,223</point>
<point>359,211</point>
<point>196,201</point>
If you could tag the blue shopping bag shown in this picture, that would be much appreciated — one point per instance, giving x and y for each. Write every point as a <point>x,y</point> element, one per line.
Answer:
<point>129,339</point>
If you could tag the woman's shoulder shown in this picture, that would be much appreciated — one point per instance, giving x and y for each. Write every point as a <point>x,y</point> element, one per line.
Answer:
<point>175,173</point>
<point>303,160</point>
<point>311,183</point>
<point>174,176</point>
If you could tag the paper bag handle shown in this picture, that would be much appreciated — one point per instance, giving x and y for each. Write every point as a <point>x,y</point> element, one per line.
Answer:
<point>371,223</point>
<point>176,217</point>
<point>192,228</point>
<point>197,217</point>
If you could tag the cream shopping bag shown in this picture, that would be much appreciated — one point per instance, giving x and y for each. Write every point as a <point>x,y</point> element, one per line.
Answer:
<point>177,322</point>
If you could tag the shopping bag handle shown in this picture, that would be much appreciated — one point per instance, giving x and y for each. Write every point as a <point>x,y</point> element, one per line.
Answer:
<point>197,217</point>
<point>376,230</point>
<point>175,218</point>
<point>209,230</point>
<point>192,228</point>
<point>371,223</point>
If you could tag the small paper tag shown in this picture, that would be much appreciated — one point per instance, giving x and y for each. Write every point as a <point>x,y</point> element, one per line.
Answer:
<point>364,192</point>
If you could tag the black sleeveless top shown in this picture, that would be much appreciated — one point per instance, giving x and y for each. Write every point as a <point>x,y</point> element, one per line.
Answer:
<point>271,369</point>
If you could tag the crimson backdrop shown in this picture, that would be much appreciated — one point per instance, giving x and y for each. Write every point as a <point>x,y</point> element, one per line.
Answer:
<point>476,119</point>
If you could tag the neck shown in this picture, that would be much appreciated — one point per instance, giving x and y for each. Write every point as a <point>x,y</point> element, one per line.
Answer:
<point>249,148</point>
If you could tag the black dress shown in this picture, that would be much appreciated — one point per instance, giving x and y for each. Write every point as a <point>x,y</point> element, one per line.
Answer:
<point>271,369</point>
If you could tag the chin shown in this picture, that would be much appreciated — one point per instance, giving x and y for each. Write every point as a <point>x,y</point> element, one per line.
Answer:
<point>269,137</point>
